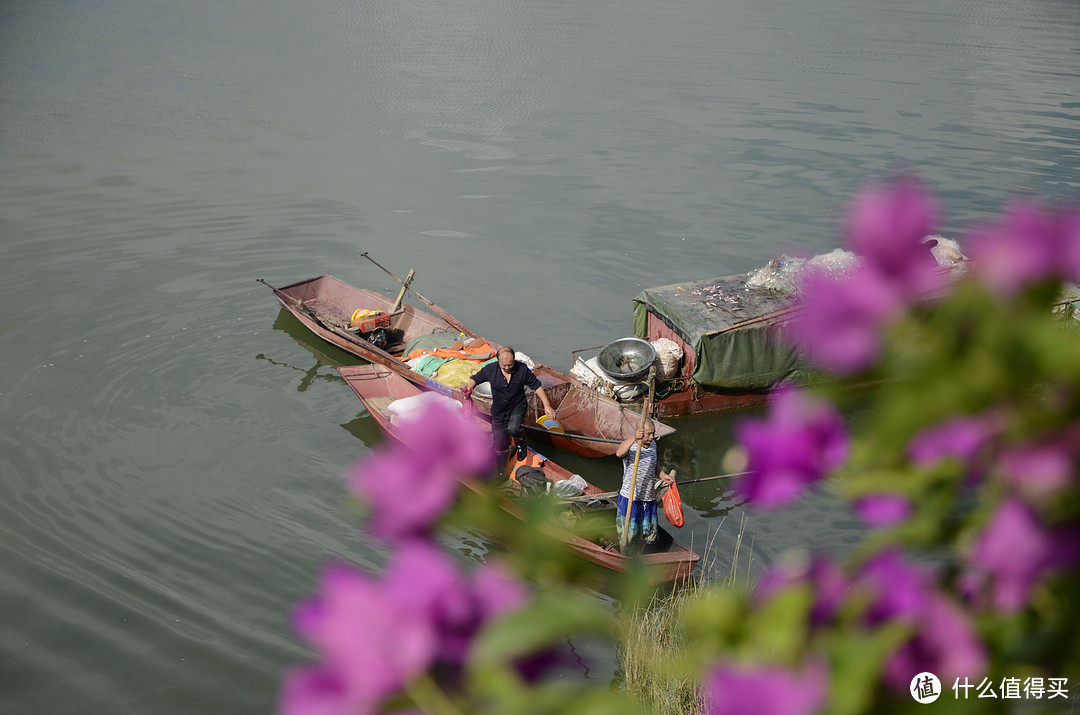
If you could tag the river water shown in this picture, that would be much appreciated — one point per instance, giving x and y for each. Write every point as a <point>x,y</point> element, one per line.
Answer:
<point>173,447</point>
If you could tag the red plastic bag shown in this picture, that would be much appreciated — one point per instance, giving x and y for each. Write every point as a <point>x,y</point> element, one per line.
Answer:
<point>673,506</point>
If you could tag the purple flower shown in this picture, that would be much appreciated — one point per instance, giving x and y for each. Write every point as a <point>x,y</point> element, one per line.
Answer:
<point>961,438</point>
<point>898,588</point>
<point>498,591</point>
<point>942,639</point>
<point>944,644</point>
<point>1069,244</point>
<point>410,484</point>
<point>882,509</point>
<point>375,635</point>
<point>765,690</point>
<point>828,581</point>
<point>1014,552</point>
<point>800,441</point>
<point>1027,246</point>
<point>1037,471</point>
<point>841,322</point>
<point>426,582</point>
<point>315,690</point>
<point>839,325</point>
<point>370,641</point>
<point>886,227</point>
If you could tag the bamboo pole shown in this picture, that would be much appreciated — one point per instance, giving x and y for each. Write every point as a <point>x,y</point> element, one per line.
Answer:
<point>401,293</point>
<point>637,460</point>
<point>450,320</point>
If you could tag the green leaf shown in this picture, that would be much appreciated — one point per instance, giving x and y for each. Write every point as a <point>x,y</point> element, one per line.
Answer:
<point>549,619</point>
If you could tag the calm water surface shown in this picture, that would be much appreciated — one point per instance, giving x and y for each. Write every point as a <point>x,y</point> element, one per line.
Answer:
<point>172,446</point>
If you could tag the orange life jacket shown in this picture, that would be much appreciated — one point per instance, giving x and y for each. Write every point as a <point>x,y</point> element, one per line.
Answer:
<point>479,351</point>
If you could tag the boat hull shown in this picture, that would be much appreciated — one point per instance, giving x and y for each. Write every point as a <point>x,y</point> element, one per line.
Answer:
<point>594,424</point>
<point>378,386</point>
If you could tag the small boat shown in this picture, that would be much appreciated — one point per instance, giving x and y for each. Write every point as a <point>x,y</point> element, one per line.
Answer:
<point>726,337</point>
<point>731,338</point>
<point>719,341</point>
<point>382,330</point>
<point>378,387</point>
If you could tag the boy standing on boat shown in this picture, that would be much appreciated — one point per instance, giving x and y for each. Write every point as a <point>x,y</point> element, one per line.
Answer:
<point>642,522</point>
<point>508,379</point>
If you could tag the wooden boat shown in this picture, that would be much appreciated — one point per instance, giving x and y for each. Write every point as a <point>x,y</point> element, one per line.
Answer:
<point>730,332</point>
<point>378,387</point>
<point>594,424</point>
<point>730,337</point>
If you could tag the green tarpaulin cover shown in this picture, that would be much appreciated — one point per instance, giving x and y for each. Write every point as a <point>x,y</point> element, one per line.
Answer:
<point>704,314</point>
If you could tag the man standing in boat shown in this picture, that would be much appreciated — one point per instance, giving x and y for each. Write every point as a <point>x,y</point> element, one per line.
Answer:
<point>641,519</point>
<point>508,379</point>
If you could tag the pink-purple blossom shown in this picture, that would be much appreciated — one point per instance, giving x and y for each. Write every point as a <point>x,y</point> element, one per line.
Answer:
<point>882,509</point>
<point>829,583</point>
<point>374,635</point>
<point>842,318</point>
<point>890,589</point>
<point>369,641</point>
<point>733,689</point>
<point>944,643</point>
<point>960,438</point>
<point>426,582</point>
<point>1014,553</point>
<point>800,441</point>
<point>886,228</point>
<point>899,588</point>
<point>410,483</point>
<point>316,690</point>
<point>1037,471</point>
<point>1028,245</point>
<point>839,325</point>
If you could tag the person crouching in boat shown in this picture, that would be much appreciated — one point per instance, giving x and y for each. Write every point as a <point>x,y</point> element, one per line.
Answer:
<point>508,379</point>
<point>642,523</point>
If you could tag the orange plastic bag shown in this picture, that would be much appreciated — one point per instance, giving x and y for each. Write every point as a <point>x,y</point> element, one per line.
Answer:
<point>673,506</point>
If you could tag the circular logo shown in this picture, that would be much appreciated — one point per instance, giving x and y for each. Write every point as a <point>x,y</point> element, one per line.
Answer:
<point>925,688</point>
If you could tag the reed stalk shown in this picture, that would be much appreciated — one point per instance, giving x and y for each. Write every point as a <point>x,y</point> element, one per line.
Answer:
<point>654,637</point>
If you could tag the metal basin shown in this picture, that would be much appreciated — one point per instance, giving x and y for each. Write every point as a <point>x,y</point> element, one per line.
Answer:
<point>627,359</point>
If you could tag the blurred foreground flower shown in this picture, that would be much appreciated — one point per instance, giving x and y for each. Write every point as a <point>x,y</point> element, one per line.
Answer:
<point>886,228</point>
<point>960,438</point>
<point>376,636</point>
<point>1039,471</point>
<point>801,440</point>
<point>765,690</point>
<point>1015,552</point>
<point>828,581</point>
<point>942,639</point>
<point>410,484</point>
<point>840,325</point>
<point>882,509</point>
<point>1027,246</point>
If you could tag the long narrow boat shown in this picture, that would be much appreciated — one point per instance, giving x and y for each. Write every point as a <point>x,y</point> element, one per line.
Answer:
<point>378,387</point>
<point>593,424</point>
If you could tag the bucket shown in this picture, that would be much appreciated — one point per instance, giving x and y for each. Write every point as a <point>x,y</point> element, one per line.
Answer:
<point>550,424</point>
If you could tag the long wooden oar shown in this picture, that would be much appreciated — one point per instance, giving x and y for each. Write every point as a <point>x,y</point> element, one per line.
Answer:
<point>450,320</point>
<point>637,459</point>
